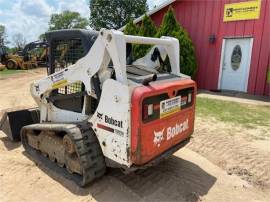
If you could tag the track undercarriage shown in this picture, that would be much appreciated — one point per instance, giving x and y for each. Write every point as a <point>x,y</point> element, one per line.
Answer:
<point>73,148</point>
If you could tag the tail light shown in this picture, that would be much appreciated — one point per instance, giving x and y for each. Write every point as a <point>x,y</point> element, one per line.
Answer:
<point>148,110</point>
<point>189,97</point>
<point>151,109</point>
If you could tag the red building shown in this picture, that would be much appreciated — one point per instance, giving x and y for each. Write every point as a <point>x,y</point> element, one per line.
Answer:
<point>231,39</point>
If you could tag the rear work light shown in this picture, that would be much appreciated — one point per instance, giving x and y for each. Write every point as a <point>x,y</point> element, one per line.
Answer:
<point>189,97</point>
<point>148,110</point>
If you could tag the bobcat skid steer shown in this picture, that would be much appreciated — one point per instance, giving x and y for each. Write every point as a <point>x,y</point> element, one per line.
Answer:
<point>124,114</point>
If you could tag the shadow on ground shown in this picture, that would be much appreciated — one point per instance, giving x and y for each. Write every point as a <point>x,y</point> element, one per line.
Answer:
<point>9,144</point>
<point>172,180</point>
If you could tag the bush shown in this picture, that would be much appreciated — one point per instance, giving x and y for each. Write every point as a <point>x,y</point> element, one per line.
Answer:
<point>147,29</point>
<point>170,27</point>
<point>131,29</point>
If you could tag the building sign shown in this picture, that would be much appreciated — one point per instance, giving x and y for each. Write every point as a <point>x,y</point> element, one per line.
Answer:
<point>242,11</point>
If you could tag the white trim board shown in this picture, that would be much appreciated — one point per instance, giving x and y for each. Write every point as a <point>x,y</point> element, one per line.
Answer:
<point>151,12</point>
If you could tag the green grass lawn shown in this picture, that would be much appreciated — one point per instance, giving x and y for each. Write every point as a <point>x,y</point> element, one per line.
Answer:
<point>249,116</point>
<point>7,72</point>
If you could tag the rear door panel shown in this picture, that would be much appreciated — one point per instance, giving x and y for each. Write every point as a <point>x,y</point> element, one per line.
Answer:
<point>153,135</point>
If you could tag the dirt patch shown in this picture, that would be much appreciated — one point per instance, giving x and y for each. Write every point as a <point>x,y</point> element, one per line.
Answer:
<point>15,89</point>
<point>184,177</point>
<point>233,149</point>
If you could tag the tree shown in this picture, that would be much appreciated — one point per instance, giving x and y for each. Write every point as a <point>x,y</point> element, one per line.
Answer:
<point>19,41</point>
<point>147,29</point>
<point>170,27</point>
<point>114,14</point>
<point>131,28</point>
<point>67,20</point>
<point>3,35</point>
<point>42,37</point>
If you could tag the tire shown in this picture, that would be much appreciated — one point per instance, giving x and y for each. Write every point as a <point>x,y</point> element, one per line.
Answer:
<point>11,65</point>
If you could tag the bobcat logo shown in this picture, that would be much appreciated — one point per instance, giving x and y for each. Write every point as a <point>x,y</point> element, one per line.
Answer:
<point>100,116</point>
<point>229,12</point>
<point>158,137</point>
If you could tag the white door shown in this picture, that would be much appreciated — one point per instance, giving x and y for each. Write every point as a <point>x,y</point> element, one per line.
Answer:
<point>235,64</point>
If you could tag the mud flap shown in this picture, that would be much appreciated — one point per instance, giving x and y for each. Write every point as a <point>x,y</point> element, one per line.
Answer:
<point>13,120</point>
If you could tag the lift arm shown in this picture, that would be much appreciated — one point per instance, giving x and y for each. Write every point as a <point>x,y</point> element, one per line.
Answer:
<point>109,45</point>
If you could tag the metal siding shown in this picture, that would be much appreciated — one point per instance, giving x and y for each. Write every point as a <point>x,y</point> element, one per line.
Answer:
<point>267,86</point>
<point>261,81</point>
<point>204,17</point>
<point>208,46</point>
<point>199,44</point>
<point>256,53</point>
<point>217,24</point>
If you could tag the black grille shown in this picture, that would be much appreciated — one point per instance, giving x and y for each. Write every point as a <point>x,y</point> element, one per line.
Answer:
<point>65,53</point>
<point>72,88</point>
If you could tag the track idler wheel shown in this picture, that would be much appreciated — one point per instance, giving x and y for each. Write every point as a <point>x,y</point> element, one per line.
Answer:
<point>68,145</point>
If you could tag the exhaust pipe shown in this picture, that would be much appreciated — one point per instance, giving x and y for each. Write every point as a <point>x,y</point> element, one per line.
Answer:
<point>148,79</point>
<point>13,120</point>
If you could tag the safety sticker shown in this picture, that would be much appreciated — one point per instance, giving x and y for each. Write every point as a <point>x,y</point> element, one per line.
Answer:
<point>109,129</point>
<point>59,84</point>
<point>170,106</point>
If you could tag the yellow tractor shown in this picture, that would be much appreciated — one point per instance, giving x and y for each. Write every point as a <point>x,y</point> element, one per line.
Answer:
<point>24,59</point>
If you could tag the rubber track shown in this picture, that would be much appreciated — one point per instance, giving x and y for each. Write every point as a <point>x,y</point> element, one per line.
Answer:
<point>87,148</point>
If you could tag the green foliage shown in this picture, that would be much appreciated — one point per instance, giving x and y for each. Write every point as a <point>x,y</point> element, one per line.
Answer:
<point>12,50</point>
<point>114,14</point>
<point>170,27</point>
<point>9,72</point>
<point>67,20</point>
<point>147,29</point>
<point>131,28</point>
<point>248,116</point>
<point>42,37</point>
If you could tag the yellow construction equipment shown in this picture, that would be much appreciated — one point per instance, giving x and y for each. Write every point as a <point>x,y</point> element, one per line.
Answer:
<point>24,59</point>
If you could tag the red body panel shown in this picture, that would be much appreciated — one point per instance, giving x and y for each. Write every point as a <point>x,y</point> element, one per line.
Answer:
<point>204,18</point>
<point>143,146</point>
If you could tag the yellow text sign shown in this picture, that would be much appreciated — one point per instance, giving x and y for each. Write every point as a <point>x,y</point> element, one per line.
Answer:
<point>242,11</point>
<point>59,84</point>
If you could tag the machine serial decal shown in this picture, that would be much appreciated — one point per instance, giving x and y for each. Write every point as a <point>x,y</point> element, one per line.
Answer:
<point>171,132</point>
<point>111,130</point>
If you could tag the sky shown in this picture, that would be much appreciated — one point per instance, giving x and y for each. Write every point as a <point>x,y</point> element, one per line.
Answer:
<point>31,17</point>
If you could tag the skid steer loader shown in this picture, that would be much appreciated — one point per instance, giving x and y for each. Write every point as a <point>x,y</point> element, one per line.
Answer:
<point>105,110</point>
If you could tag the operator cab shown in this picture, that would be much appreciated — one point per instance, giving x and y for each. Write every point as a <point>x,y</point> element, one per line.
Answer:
<point>68,46</point>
